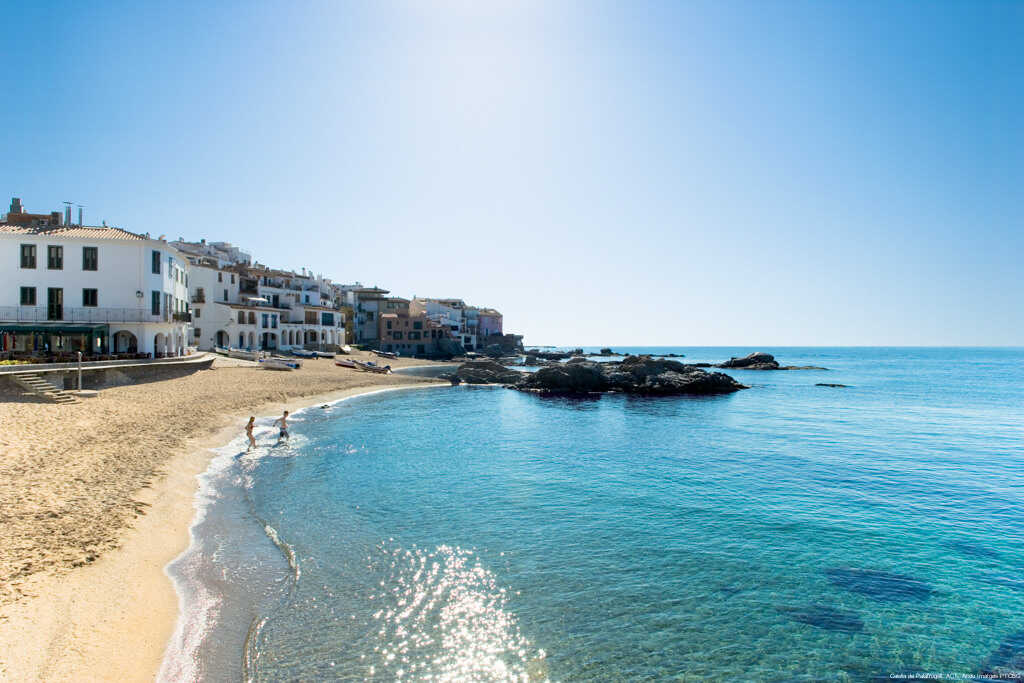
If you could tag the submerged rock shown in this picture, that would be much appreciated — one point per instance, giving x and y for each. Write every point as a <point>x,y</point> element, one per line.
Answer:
<point>879,585</point>
<point>1007,661</point>
<point>974,550</point>
<point>838,386</point>
<point>633,375</point>
<point>828,618</point>
<point>486,371</point>
<point>993,579</point>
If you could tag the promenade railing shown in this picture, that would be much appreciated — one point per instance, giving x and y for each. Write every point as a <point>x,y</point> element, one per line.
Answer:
<point>84,314</point>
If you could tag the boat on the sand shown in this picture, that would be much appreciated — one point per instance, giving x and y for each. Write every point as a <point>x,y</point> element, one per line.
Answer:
<point>244,355</point>
<point>276,364</point>
<point>373,367</point>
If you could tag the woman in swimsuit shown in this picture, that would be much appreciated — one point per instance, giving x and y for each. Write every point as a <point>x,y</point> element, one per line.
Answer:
<point>248,432</point>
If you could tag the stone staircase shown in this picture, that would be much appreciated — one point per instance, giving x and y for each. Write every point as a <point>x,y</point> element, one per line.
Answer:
<point>34,384</point>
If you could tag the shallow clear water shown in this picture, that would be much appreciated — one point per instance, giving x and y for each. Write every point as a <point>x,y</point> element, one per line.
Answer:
<point>787,532</point>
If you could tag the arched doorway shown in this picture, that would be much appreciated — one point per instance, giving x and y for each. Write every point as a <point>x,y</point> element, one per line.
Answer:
<point>125,342</point>
<point>222,338</point>
<point>159,345</point>
<point>269,341</point>
<point>252,341</point>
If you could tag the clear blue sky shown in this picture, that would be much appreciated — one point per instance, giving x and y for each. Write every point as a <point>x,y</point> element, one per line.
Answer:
<point>604,173</point>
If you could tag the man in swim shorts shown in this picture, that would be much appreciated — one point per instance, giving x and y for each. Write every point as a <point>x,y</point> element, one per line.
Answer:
<point>283,421</point>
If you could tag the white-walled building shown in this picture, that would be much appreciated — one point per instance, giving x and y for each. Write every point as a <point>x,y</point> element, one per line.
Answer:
<point>258,308</point>
<point>224,253</point>
<point>212,290</point>
<point>98,290</point>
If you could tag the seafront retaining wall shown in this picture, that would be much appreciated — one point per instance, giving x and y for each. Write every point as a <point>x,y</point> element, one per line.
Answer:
<point>100,376</point>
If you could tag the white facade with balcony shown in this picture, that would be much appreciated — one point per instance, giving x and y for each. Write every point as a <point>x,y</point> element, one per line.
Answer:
<point>122,291</point>
<point>262,309</point>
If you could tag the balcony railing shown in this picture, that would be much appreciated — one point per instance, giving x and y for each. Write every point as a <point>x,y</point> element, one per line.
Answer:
<point>199,298</point>
<point>185,317</point>
<point>85,314</point>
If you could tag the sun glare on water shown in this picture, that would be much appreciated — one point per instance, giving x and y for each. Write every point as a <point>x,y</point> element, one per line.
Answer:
<point>444,617</point>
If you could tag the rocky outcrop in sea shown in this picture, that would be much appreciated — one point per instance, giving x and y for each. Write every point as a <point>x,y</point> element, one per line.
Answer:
<point>554,355</point>
<point>759,360</point>
<point>484,371</point>
<point>642,375</point>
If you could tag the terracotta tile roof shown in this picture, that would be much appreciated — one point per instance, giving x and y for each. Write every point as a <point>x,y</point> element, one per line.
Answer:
<point>72,231</point>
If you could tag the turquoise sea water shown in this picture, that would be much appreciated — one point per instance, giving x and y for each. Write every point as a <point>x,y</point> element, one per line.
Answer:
<point>786,532</point>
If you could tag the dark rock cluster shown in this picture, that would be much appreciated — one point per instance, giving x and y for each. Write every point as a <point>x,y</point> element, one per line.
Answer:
<point>485,371</point>
<point>635,375</point>
<point>553,355</point>
<point>759,360</point>
<point>499,345</point>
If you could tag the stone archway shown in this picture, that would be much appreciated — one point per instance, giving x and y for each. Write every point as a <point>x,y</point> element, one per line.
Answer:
<point>125,342</point>
<point>159,345</point>
<point>222,339</point>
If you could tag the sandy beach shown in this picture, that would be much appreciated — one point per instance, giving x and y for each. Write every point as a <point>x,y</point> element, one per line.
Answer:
<point>96,498</point>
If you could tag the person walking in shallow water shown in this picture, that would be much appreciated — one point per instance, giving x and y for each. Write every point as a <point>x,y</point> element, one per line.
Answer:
<point>248,432</point>
<point>283,421</point>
